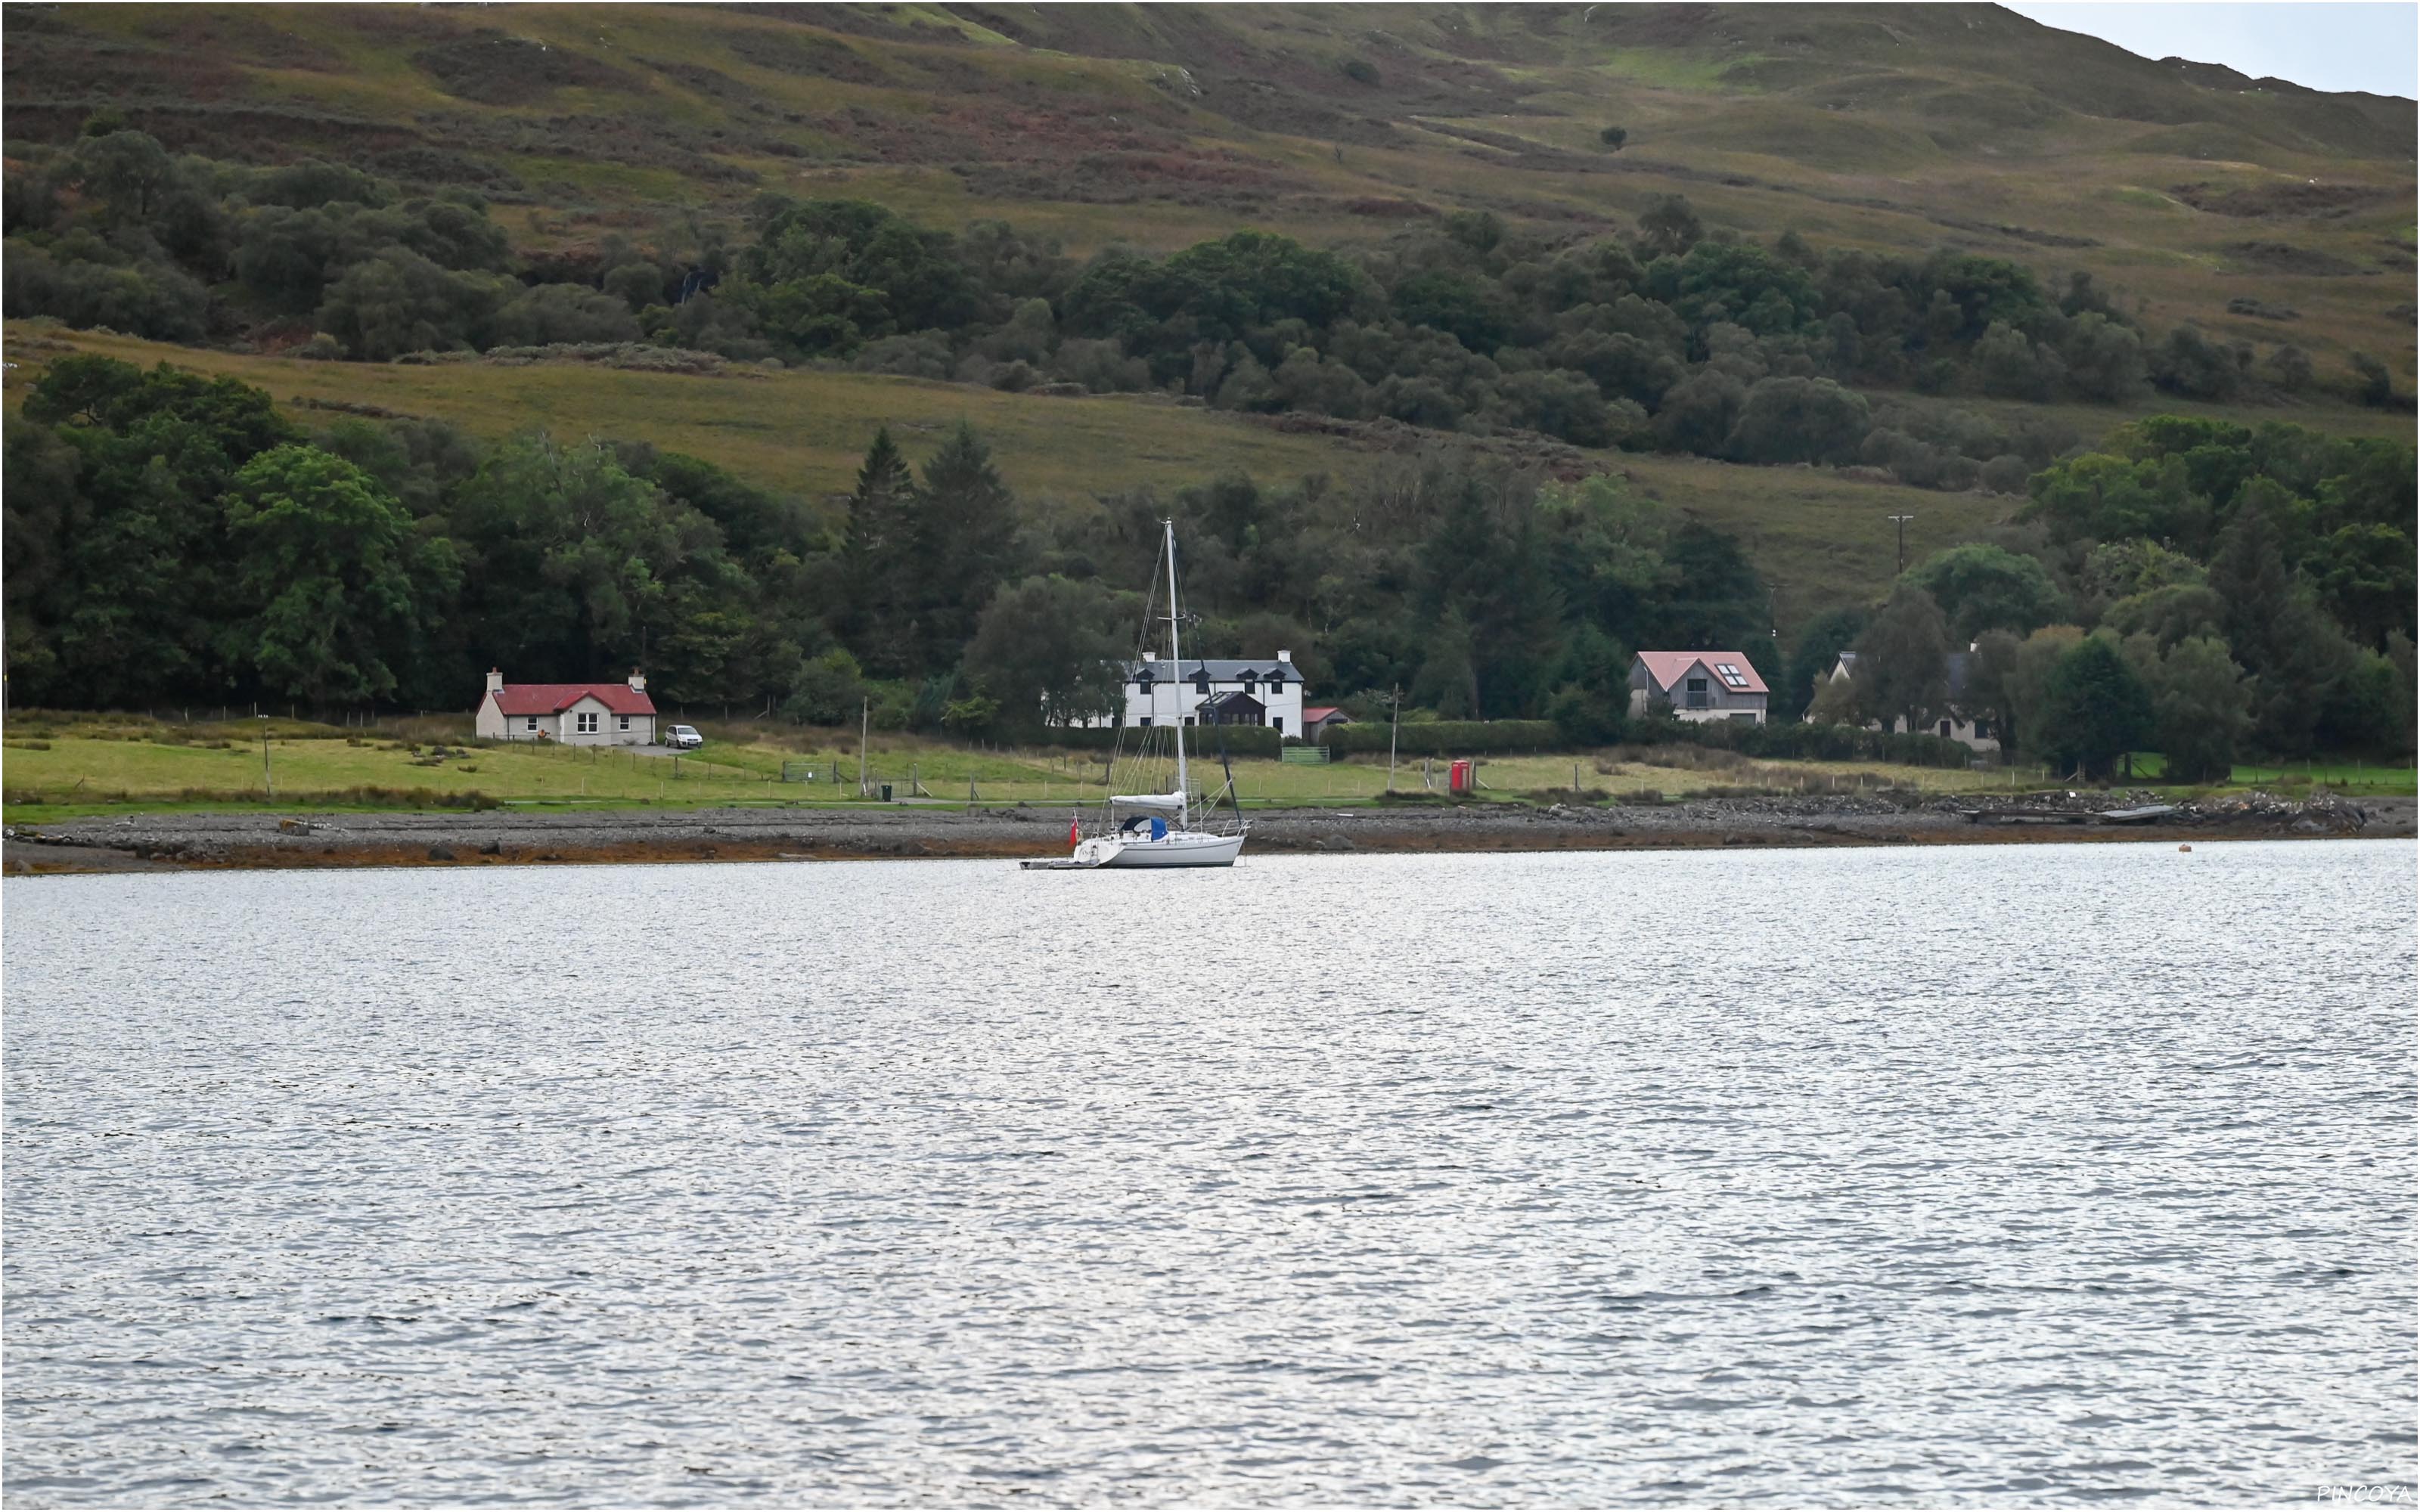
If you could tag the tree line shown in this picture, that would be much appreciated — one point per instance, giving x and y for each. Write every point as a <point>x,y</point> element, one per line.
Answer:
<point>1668,337</point>
<point>2198,588</point>
<point>171,538</point>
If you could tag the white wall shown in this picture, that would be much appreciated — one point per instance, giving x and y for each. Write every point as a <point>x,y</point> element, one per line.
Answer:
<point>492,725</point>
<point>1961,730</point>
<point>608,732</point>
<point>1172,703</point>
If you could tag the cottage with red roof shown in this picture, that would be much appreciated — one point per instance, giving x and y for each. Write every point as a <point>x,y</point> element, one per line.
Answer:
<point>1699,685</point>
<point>576,714</point>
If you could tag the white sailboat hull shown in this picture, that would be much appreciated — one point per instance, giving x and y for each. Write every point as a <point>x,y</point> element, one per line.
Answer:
<point>1176,848</point>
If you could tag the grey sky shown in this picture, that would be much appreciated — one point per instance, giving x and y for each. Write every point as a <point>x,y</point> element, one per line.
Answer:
<point>2324,46</point>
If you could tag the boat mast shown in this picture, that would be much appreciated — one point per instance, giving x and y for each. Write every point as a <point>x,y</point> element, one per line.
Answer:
<point>1176,675</point>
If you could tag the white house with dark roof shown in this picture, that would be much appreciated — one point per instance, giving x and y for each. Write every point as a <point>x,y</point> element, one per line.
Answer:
<point>575,714</point>
<point>1260,693</point>
<point>1699,685</point>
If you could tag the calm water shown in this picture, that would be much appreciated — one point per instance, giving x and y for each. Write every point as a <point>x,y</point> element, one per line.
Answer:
<point>2009,1175</point>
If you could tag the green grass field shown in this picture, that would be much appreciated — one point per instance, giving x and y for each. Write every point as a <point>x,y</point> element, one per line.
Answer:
<point>54,765</point>
<point>58,766</point>
<point>2368,778</point>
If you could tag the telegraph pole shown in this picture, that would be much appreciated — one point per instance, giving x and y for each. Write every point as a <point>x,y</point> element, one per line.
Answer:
<point>1395,722</point>
<point>1901,520</point>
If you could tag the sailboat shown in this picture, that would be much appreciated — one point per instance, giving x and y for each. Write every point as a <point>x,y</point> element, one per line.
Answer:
<point>1156,828</point>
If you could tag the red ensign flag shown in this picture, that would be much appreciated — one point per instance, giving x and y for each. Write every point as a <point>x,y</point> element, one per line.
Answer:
<point>1075,831</point>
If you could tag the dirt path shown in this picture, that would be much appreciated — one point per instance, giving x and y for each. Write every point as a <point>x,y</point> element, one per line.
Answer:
<point>169,842</point>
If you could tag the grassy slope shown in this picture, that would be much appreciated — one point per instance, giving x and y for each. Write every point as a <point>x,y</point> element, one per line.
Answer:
<point>1903,128</point>
<point>1818,537</point>
<point>799,432</point>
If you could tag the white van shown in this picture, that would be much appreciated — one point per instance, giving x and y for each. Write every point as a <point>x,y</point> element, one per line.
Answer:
<point>683,737</point>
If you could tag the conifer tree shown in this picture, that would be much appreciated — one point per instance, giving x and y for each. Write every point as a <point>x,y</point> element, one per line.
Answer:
<point>2094,709</point>
<point>881,540</point>
<point>964,533</point>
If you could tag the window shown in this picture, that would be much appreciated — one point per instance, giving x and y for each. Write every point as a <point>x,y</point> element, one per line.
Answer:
<point>533,722</point>
<point>588,724</point>
<point>621,721</point>
<point>1945,728</point>
<point>1696,685</point>
<point>1730,674</point>
<point>1144,723</point>
<point>1276,723</point>
<point>1188,719</point>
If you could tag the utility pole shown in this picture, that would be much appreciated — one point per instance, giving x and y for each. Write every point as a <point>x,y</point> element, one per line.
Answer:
<point>1394,723</point>
<point>267,785</point>
<point>863,705</point>
<point>1901,520</point>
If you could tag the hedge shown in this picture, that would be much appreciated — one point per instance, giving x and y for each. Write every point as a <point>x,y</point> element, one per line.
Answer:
<point>1446,737</point>
<point>1790,739</point>
<point>1782,740</point>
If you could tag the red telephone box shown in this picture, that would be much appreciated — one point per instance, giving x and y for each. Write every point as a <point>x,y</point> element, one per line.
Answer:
<point>1462,778</point>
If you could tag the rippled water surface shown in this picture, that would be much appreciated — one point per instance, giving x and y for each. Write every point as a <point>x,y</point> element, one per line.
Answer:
<point>1999,1175</point>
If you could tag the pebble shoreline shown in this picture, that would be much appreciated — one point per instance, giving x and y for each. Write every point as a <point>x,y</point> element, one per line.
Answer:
<point>201,842</point>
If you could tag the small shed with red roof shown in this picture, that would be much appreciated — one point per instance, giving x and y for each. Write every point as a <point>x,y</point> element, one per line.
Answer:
<point>1317,719</point>
<point>576,714</point>
<point>1699,685</point>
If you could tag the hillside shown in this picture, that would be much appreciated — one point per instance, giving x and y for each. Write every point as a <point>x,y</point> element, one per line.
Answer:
<point>1895,127</point>
<point>813,355</point>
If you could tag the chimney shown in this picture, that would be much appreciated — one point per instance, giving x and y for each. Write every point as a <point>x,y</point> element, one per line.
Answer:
<point>1286,657</point>
<point>495,681</point>
<point>638,681</point>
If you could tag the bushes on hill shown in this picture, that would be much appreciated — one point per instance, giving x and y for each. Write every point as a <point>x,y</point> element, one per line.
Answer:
<point>1673,337</point>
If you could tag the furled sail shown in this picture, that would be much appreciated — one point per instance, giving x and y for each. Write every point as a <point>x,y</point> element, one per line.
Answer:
<point>1153,802</point>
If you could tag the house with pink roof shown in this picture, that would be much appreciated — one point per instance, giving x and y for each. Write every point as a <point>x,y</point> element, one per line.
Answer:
<point>1699,685</point>
<point>575,714</point>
